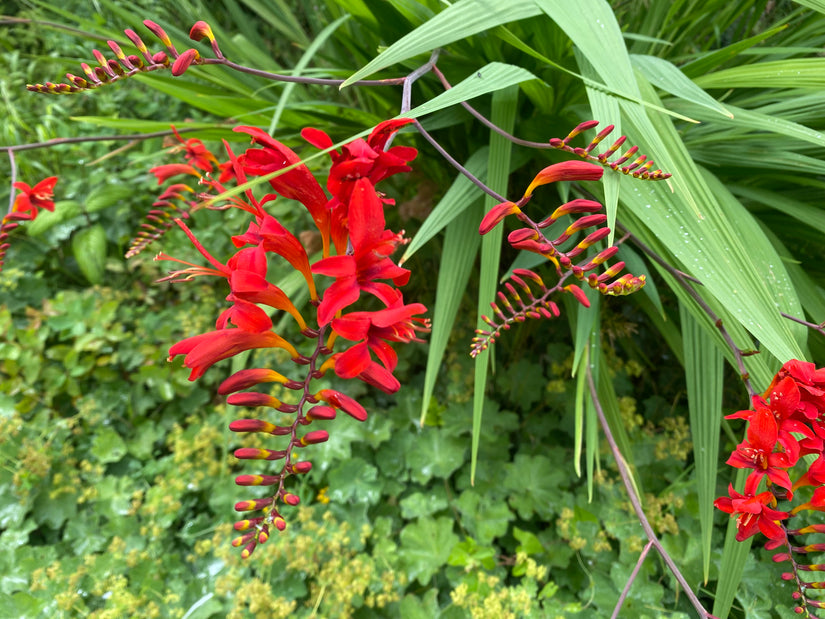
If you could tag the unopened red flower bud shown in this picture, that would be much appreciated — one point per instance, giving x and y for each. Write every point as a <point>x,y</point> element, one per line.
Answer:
<point>158,32</point>
<point>630,152</point>
<point>603,256</point>
<point>244,539</point>
<point>119,53</point>
<point>313,438</point>
<point>201,30</point>
<point>321,412</point>
<point>300,468</point>
<point>530,275</point>
<point>77,81</point>
<point>565,171</point>
<point>257,480</point>
<point>592,238</point>
<point>258,425</point>
<point>581,128</point>
<point>247,552</point>
<point>578,293</point>
<point>496,214</point>
<point>521,235</point>
<point>291,499</point>
<point>253,399</point>
<point>138,42</point>
<point>245,525</point>
<point>114,67</point>
<point>248,378</point>
<point>585,222</point>
<point>575,206</point>
<point>184,61</point>
<point>255,453</point>
<point>599,137</point>
<point>253,504</point>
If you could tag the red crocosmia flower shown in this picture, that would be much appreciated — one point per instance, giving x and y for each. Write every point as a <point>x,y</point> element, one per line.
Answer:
<point>811,384</point>
<point>27,204</point>
<point>752,511</point>
<point>380,378</point>
<point>246,316</point>
<point>195,152</point>
<point>246,272</point>
<point>296,184</point>
<point>814,476</point>
<point>167,171</point>
<point>369,261</point>
<point>816,503</point>
<point>272,236</point>
<point>206,349</point>
<point>363,158</point>
<point>757,452</point>
<point>784,398</point>
<point>254,288</point>
<point>373,331</point>
<point>220,269</point>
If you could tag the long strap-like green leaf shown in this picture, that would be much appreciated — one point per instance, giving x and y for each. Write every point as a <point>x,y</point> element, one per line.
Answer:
<point>504,115</point>
<point>704,368</point>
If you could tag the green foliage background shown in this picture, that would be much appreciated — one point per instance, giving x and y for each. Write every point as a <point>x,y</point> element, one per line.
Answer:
<point>117,474</point>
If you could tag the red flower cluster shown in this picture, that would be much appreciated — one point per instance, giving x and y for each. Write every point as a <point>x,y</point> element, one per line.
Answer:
<point>26,206</point>
<point>787,425</point>
<point>355,258</point>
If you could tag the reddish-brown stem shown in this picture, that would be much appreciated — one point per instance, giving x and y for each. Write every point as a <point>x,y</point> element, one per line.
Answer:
<point>630,580</point>
<point>13,175</point>
<point>318,81</point>
<point>488,123</point>
<point>803,600</point>
<point>453,162</point>
<point>406,95</point>
<point>94,138</point>
<point>820,328</point>
<point>637,505</point>
<point>299,415</point>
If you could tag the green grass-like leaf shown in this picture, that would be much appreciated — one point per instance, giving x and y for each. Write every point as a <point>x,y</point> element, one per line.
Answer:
<point>704,368</point>
<point>458,21</point>
<point>498,166</point>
